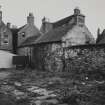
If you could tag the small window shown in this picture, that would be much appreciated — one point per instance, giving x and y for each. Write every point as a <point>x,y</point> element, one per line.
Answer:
<point>23,34</point>
<point>5,36</point>
<point>87,42</point>
<point>5,41</point>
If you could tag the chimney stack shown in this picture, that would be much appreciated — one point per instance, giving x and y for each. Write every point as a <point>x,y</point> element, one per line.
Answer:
<point>9,25</point>
<point>77,11</point>
<point>30,19</point>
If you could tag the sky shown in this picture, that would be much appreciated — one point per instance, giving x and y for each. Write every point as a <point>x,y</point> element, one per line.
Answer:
<point>16,11</point>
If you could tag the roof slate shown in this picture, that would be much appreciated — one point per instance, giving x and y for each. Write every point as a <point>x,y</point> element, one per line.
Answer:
<point>30,40</point>
<point>22,27</point>
<point>62,21</point>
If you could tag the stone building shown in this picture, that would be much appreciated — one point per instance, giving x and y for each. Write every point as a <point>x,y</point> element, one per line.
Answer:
<point>27,34</point>
<point>5,35</point>
<point>70,30</point>
<point>6,45</point>
<point>67,32</point>
<point>27,30</point>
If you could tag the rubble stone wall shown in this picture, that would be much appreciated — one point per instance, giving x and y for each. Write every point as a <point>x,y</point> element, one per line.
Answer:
<point>52,57</point>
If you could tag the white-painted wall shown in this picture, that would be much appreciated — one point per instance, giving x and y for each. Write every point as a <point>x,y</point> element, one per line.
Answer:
<point>77,36</point>
<point>6,59</point>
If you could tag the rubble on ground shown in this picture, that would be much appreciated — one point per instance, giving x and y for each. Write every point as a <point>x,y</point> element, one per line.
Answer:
<point>46,89</point>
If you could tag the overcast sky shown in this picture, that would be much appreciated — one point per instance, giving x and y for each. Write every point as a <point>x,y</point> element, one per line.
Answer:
<point>16,11</point>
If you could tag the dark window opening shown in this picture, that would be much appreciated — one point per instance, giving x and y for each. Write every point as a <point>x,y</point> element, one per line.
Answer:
<point>87,42</point>
<point>5,41</point>
<point>23,34</point>
<point>5,35</point>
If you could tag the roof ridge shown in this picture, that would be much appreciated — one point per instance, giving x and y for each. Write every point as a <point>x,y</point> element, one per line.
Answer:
<point>62,21</point>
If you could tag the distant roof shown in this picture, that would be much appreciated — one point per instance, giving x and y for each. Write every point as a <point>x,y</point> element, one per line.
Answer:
<point>54,35</point>
<point>22,27</point>
<point>14,30</point>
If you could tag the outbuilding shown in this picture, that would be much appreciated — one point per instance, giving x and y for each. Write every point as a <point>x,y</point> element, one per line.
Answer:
<point>6,59</point>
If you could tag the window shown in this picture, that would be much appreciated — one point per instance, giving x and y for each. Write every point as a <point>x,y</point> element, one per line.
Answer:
<point>5,36</point>
<point>5,41</point>
<point>23,34</point>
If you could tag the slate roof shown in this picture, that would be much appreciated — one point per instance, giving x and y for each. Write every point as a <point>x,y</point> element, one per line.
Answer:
<point>55,35</point>
<point>62,21</point>
<point>52,36</point>
<point>14,31</point>
<point>22,27</point>
<point>30,40</point>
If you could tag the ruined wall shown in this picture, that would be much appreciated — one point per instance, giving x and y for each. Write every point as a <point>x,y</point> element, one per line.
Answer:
<point>52,57</point>
<point>42,56</point>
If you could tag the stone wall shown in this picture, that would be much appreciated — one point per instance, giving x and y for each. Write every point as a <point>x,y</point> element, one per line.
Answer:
<point>52,57</point>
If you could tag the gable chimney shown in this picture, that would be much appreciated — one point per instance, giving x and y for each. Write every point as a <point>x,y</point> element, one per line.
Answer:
<point>79,18</point>
<point>46,25</point>
<point>77,11</point>
<point>8,25</point>
<point>30,19</point>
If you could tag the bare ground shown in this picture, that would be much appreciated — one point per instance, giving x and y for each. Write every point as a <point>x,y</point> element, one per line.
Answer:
<point>31,87</point>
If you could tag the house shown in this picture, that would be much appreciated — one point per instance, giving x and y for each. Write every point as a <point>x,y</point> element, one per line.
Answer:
<point>26,35</point>
<point>5,35</point>
<point>27,30</point>
<point>70,31</point>
<point>6,45</point>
